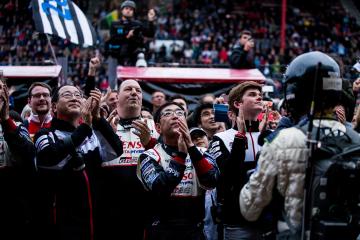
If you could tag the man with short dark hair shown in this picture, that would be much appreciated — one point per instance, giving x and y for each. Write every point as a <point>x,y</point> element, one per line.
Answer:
<point>39,99</point>
<point>204,116</point>
<point>241,55</point>
<point>175,172</point>
<point>69,158</point>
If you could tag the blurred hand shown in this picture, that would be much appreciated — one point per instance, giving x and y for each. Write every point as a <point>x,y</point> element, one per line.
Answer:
<point>94,64</point>
<point>113,119</point>
<point>264,122</point>
<point>130,34</point>
<point>181,143</point>
<point>96,96</point>
<point>184,130</point>
<point>356,85</point>
<point>151,15</point>
<point>142,130</point>
<point>249,45</point>
<point>86,111</point>
<point>240,121</point>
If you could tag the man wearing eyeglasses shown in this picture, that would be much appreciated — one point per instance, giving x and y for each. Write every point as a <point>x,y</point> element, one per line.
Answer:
<point>176,174</point>
<point>39,100</point>
<point>69,157</point>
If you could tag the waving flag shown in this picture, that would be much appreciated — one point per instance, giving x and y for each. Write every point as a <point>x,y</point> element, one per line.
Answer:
<point>64,19</point>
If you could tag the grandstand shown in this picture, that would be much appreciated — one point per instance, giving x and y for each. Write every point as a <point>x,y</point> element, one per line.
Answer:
<point>207,28</point>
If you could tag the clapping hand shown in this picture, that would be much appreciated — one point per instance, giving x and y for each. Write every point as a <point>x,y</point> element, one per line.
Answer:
<point>142,130</point>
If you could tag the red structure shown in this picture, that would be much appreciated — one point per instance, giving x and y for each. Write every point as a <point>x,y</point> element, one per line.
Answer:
<point>190,75</point>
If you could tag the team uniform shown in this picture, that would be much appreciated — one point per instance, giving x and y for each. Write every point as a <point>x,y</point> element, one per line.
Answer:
<point>69,162</point>
<point>124,213</point>
<point>177,183</point>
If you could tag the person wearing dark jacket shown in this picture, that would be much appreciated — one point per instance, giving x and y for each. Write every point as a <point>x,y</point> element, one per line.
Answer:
<point>241,56</point>
<point>127,34</point>
<point>16,166</point>
<point>176,174</point>
<point>69,157</point>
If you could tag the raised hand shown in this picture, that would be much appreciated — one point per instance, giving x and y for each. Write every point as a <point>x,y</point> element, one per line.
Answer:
<point>113,119</point>
<point>184,130</point>
<point>86,111</point>
<point>181,143</point>
<point>240,120</point>
<point>264,122</point>
<point>95,104</point>
<point>142,130</point>
<point>94,64</point>
<point>151,15</point>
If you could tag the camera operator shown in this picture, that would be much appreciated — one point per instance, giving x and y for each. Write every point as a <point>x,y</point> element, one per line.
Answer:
<point>241,56</point>
<point>127,35</point>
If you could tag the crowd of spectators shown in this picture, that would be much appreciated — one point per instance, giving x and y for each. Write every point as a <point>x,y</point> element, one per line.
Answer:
<point>209,28</point>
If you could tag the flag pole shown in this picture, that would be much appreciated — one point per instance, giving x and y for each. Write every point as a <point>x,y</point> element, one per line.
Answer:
<point>51,49</point>
<point>61,79</point>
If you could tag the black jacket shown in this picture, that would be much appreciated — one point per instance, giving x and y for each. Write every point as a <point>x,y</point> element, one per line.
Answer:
<point>126,49</point>
<point>69,163</point>
<point>241,59</point>
<point>16,167</point>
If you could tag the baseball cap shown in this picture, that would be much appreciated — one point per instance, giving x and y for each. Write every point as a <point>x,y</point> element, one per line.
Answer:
<point>197,131</point>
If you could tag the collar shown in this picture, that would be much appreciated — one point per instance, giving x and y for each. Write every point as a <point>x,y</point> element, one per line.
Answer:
<point>126,123</point>
<point>62,125</point>
<point>170,150</point>
<point>251,126</point>
<point>35,118</point>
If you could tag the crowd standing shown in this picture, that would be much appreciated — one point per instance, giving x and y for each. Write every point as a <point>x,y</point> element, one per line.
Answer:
<point>80,163</point>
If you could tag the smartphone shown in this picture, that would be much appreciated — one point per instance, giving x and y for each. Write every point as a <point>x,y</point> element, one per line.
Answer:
<point>221,111</point>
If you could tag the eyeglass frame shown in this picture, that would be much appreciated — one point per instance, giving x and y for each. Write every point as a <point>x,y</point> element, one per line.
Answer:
<point>172,112</point>
<point>72,95</point>
<point>38,95</point>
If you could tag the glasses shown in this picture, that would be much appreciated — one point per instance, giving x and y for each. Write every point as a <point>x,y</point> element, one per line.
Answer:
<point>168,113</point>
<point>69,95</point>
<point>38,95</point>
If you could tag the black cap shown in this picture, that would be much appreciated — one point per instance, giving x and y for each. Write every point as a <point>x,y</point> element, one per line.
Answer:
<point>197,131</point>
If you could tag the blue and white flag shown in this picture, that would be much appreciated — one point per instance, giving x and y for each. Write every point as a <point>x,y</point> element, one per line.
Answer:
<point>63,19</point>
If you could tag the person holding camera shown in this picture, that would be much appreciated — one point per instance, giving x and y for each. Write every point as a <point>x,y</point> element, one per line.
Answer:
<point>241,56</point>
<point>245,104</point>
<point>126,42</point>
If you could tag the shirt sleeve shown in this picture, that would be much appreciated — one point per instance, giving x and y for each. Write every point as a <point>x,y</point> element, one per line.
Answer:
<point>205,167</point>
<point>155,178</point>
<point>258,192</point>
<point>54,153</point>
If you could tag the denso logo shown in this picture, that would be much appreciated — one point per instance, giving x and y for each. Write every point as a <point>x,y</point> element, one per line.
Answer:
<point>132,144</point>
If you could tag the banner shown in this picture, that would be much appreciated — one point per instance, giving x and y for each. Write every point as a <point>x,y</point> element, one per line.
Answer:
<point>63,19</point>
